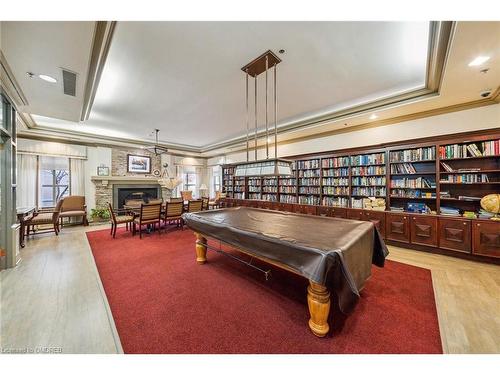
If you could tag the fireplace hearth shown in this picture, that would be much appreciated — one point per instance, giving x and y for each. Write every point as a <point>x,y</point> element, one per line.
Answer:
<point>124,193</point>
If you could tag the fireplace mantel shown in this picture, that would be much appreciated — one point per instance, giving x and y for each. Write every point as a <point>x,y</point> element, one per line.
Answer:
<point>105,187</point>
<point>105,180</point>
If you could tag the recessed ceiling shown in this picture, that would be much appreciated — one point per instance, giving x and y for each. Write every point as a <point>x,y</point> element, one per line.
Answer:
<point>45,48</point>
<point>185,79</point>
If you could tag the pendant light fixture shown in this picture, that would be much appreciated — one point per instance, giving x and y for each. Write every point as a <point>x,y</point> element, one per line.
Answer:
<point>269,166</point>
<point>157,149</point>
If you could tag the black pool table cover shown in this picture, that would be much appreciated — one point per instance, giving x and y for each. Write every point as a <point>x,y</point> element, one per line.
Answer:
<point>334,252</point>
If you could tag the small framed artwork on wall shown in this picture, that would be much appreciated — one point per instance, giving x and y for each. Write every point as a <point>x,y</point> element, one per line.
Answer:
<point>138,164</point>
<point>103,171</point>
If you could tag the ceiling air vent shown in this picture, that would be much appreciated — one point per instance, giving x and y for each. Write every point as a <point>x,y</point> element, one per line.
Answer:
<point>69,82</point>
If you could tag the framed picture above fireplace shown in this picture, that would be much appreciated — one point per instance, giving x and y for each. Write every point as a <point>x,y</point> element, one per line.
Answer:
<point>138,164</point>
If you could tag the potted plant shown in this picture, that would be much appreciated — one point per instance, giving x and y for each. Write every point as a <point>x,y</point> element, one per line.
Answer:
<point>99,214</point>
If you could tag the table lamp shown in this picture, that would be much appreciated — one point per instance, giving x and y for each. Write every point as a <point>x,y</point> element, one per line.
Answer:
<point>203,190</point>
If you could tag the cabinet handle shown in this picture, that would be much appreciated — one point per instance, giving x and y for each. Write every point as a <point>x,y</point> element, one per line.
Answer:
<point>404,217</point>
<point>478,225</point>
<point>414,218</point>
<point>465,223</point>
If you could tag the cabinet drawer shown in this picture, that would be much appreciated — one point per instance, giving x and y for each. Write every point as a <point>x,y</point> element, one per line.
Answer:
<point>423,230</point>
<point>486,238</point>
<point>455,234</point>
<point>338,212</point>
<point>397,227</point>
<point>354,214</point>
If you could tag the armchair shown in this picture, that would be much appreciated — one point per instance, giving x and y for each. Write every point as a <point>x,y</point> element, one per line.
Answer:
<point>45,217</point>
<point>74,206</point>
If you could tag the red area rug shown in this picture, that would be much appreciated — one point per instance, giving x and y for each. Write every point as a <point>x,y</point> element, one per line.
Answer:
<point>164,302</point>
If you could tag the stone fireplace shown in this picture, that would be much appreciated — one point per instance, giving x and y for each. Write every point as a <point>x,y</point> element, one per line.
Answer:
<point>113,189</point>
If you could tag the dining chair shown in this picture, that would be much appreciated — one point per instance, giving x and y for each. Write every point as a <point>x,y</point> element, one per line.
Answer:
<point>204,203</point>
<point>173,214</point>
<point>195,205</point>
<point>150,214</point>
<point>121,218</point>
<point>175,200</point>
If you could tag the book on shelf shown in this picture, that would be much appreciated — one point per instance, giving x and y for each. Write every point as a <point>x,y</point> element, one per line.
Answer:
<point>468,198</point>
<point>335,201</point>
<point>416,154</point>
<point>475,149</point>
<point>465,178</point>
<point>308,164</point>
<point>287,198</point>
<point>309,199</point>
<point>406,168</point>
<point>337,162</point>
<point>368,170</point>
<point>396,209</point>
<point>335,181</point>
<point>367,159</point>
<point>368,181</point>
<point>450,211</point>
<point>446,167</point>
<point>412,183</point>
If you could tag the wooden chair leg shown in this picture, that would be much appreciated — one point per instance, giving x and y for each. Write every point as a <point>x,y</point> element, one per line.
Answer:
<point>114,231</point>
<point>140,231</point>
<point>55,229</point>
<point>111,232</point>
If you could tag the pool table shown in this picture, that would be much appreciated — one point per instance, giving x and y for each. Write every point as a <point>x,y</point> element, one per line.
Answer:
<point>334,254</point>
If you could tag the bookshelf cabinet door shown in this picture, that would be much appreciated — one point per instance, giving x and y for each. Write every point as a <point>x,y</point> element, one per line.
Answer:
<point>455,234</point>
<point>397,227</point>
<point>486,238</point>
<point>423,230</point>
<point>377,218</point>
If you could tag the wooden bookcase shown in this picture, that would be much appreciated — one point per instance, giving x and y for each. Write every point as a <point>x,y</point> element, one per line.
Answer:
<point>402,173</point>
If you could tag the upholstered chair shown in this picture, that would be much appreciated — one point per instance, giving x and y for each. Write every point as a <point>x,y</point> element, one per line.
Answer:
<point>150,214</point>
<point>121,218</point>
<point>186,195</point>
<point>74,206</point>
<point>44,217</point>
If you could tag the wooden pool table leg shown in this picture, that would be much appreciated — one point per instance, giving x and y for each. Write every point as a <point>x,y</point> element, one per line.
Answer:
<point>201,249</point>
<point>318,299</point>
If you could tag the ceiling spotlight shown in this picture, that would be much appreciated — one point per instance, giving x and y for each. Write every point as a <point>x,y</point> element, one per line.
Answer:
<point>47,78</point>
<point>29,74</point>
<point>479,60</point>
<point>281,51</point>
<point>373,117</point>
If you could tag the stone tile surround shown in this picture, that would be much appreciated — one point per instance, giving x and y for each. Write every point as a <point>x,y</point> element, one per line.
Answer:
<point>104,188</point>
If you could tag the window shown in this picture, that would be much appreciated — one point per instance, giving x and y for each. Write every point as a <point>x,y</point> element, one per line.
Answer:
<point>216,179</point>
<point>54,180</point>
<point>189,181</point>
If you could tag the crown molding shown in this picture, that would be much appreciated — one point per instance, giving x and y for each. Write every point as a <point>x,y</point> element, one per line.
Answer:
<point>492,100</point>
<point>101,43</point>
<point>9,84</point>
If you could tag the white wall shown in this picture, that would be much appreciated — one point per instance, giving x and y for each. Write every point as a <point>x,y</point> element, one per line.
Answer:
<point>481,118</point>
<point>95,157</point>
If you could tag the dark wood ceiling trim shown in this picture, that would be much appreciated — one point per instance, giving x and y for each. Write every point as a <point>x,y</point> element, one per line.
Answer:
<point>103,34</point>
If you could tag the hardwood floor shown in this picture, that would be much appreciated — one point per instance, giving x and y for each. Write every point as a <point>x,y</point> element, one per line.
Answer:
<point>54,299</point>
